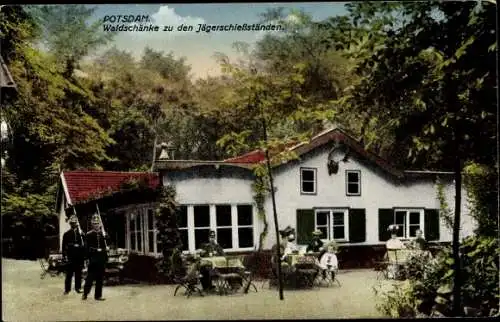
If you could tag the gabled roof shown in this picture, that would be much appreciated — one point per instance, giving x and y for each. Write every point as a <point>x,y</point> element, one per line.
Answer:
<point>334,134</point>
<point>6,80</point>
<point>82,185</point>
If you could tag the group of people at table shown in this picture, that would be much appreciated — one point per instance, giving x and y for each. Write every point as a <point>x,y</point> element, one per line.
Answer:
<point>321,257</point>
<point>210,253</point>
<point>399,253</point>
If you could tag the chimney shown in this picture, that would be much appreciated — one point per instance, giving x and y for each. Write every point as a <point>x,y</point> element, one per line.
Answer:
<point>165,149</point>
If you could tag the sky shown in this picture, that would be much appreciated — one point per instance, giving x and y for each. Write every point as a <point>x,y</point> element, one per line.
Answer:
<point>199,48</point>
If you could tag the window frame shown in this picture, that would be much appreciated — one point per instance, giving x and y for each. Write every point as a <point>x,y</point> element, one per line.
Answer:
<point>237,226</point>
<point>347,193</point>
<point>315,181</point>
<point>217,227</point>
<point>154,230</point>
<point>211,222</point>
<point>331,225</point>
<point>135,216</point>
<point>421,211</point>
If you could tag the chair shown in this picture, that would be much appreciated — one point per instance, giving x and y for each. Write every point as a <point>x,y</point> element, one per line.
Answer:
<point>328,275</point>
<point>188,278</point>
<point>248,274</point>
<point>306,273</point>
<point>45,268</point>
<point>53,265</point>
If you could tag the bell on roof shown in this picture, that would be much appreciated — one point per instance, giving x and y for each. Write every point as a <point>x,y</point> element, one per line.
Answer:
<point>165,149</point>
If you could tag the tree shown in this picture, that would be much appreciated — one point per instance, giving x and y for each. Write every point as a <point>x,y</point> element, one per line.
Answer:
<point>47,120</point>
<point>424,84</point>
<point>67,32</point>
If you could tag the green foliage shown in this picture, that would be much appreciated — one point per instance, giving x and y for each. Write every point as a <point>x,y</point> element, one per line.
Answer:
<point>481,183</point>
<point>261,189</point>
<point>427,292</point>
<point>168,232</point>
<point>441,97</point>
<point>444,212</point>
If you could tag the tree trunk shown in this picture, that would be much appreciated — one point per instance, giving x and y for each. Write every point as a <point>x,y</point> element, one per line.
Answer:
<point>457,310</point>
<point>154,152</point>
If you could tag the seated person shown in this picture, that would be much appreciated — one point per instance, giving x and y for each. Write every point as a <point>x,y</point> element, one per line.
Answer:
<point>212,248</point>
<point>315,245</point>
<point>328,261</point>
<point>290,246</point>
<point>209,249</point>
<point>419,242</point>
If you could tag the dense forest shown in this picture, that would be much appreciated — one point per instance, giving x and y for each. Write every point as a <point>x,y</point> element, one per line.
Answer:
<point>414,81</point>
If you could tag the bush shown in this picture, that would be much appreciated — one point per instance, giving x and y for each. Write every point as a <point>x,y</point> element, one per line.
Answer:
<point>428,290</point>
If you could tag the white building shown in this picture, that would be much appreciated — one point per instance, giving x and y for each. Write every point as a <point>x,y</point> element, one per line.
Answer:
<point>353,205</point>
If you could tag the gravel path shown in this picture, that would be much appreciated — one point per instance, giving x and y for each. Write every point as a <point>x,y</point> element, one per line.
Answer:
<point>25,297</point>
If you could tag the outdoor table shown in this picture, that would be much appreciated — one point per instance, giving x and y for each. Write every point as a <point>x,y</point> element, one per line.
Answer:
<point>303,266</point>
<point>225,272</point>
<point>214,261</point>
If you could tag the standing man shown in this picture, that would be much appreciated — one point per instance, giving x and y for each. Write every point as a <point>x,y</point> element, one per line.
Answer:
<point>73,254</point>
<point>98,257</point>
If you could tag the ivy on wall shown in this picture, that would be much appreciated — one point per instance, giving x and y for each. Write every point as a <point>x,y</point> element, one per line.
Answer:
<point>445,211</point>
<point>168,232</point>
<point>260,188</point>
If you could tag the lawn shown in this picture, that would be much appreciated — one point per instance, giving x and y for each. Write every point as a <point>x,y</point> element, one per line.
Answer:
<point>28,298</point>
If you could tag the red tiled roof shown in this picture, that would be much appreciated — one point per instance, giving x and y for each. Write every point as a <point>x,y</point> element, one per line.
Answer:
<point>82,185</point>
<point>254,156</point>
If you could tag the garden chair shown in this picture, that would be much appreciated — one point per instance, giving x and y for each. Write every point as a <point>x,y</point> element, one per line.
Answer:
<point>248,275</point>
<point>188,277</point>
<point>45,268</point>
<point>328,276</point>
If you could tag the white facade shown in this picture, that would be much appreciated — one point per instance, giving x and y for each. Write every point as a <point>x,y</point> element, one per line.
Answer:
<point>217,196</point>
<point>377,191</point>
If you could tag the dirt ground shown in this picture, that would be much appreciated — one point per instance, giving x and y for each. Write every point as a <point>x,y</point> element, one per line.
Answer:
<point>26,297</point>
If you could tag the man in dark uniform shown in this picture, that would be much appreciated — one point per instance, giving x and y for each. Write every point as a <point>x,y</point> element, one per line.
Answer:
<point>209,249</point>
<point>73,254</point>
<point>98,257</point>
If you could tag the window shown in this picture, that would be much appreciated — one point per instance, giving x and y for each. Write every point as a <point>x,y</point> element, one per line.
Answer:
<point>201,225</point>
<point>332,223</point>
<point>245,226</point>
<point>408,221</point>
<point>307,181</point>
<point>136,235</point>
<point>233,225</point>
<point>182,224</point>
<point>224,228</point>
<point>152,232</point>
<point>353,182</point>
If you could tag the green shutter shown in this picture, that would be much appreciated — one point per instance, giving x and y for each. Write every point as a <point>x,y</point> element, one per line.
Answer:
<point>385,218</point>
<point>357,225</point>
<point>431,226</point>
<point>305,225</point>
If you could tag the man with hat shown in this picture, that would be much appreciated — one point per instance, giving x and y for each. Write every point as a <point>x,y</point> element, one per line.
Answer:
<point>73,254</point>
<point>212,248</point>
<point>209,249</point>
<point>315,245</point>
<point>98,257</point>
